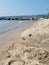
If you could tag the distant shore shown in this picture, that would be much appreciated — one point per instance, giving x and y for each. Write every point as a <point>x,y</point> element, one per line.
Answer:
<point>5,18</point>
<point>29,17</point>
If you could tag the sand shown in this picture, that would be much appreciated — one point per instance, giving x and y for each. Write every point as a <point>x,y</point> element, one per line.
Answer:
<point>31,47</point>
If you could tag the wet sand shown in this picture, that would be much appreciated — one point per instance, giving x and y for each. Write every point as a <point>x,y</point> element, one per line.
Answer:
<point>9,36</point>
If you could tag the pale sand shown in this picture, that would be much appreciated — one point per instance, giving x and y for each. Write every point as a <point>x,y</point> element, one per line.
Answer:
<point>30,48</point>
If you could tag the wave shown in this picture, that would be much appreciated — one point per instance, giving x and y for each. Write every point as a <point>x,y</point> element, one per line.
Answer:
<point>20,21</point>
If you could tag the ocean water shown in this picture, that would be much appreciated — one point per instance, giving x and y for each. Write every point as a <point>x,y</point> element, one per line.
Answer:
<point>6,25</point>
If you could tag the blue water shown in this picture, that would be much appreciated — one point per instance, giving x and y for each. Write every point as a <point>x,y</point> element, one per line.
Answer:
<point>6,25</point>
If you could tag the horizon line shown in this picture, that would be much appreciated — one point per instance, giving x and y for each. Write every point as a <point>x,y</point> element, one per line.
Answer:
<point>22,15</point>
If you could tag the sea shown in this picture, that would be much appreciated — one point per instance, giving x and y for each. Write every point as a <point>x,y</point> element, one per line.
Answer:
<point>7,25</point>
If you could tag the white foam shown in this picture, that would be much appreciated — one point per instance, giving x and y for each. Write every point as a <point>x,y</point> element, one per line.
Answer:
<point>20,21</point>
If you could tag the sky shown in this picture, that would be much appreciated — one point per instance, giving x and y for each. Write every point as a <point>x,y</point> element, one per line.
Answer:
<point>23,7</point>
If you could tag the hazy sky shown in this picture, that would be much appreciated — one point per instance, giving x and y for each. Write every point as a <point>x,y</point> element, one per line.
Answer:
<point>23,7</point>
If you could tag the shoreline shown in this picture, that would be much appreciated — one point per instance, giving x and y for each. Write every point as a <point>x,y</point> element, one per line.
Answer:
<point>10,35</point>
<point>19,24</point>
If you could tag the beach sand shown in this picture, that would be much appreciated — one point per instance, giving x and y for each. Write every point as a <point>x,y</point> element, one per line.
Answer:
<point>31,47</point>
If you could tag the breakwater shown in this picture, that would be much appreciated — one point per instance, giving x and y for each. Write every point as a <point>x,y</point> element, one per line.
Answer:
<point>13,18</point>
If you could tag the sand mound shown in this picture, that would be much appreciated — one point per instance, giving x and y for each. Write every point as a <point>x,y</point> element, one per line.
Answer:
<point>37,35</point>
<point>32,47</point>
